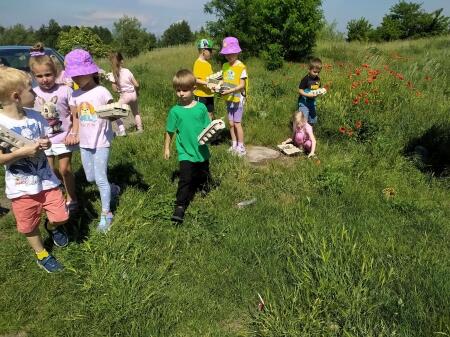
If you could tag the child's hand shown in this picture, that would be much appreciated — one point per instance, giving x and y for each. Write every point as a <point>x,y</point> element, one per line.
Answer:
<point>226,92</point>
<point>311,155</point>
<point>71,139</point>
<point>44,143</point>
<point>166,154</point>
<point>28,151</point>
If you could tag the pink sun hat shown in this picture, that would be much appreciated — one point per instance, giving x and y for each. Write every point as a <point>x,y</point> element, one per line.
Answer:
<point>79,62</point>
<point>230,45</point>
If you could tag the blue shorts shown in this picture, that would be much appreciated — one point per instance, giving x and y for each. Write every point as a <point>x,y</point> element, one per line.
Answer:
<point>309,111</point>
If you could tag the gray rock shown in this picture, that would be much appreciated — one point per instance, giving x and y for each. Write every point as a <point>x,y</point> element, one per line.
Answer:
<point>261,154</point>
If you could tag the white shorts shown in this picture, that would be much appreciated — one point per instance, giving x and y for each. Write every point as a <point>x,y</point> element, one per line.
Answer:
<point>58,149</point>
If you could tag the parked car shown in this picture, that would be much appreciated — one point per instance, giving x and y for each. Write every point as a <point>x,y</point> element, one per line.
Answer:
<point>18,56</point>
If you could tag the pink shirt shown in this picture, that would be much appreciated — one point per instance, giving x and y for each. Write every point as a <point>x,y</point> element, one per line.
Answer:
<point>60,94</point>
<point>303,134</point>
<point>95,132</point>
<point>126,81</point>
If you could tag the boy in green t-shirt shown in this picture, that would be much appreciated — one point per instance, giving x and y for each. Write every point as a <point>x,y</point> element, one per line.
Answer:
<point>187,119</point>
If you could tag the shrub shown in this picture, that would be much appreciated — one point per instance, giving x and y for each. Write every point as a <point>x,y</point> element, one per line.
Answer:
<point>273,56</point>
<point>82,37</point>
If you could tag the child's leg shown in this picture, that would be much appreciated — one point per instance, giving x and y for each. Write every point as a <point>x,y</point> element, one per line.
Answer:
<point>202,176</point>
<point>87,160</point>
<point>239,133</point>
<point>307,146</point>
<point>137,116</point>
<point>51,162</point>
<point>65,170</point>
<point>101,157</point>
<point>186,184</point>
<point>35,240</point>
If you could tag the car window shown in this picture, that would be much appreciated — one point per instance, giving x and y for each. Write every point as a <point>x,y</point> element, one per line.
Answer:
<point>15,58</point>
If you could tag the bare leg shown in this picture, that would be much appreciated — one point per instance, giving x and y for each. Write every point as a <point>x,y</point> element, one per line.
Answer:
<point>233,132</point>
<point>35,240</point>
<point>239,132</point>
<point>65,170</point>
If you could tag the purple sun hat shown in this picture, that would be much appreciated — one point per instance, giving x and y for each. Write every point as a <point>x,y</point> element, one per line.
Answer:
<point>230,45</point>
<point>79,62</point>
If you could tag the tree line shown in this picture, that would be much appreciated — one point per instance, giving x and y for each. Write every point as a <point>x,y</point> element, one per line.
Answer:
<point>405,20</point>
<point>274,30</point>
<point>128,36</point>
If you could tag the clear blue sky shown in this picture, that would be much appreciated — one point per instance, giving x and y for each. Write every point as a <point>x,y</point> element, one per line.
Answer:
<point>157,15</point>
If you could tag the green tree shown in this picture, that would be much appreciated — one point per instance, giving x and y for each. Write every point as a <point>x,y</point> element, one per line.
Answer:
<point>177,33</point>
<point>17,35</point>
<point>408,20</point>
<point>329,32</point>
<point>103,33</point>
<point>291,24</point>
<point>359,30</point>
<point>49,34</point>
<point>130,38</point>
<point>82,37</point>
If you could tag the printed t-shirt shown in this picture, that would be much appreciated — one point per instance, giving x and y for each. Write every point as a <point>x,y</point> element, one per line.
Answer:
<point>202,69</point>
<point>95,132</point>
<point>307,84</point>
<point>28,176</point>
<point>60,94</point>
<point>188,123</point>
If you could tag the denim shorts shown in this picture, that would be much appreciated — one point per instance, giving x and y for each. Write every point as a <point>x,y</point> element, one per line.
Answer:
<point>309,110</point>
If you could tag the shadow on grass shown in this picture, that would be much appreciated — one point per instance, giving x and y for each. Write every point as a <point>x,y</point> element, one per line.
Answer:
<point>431,151</point>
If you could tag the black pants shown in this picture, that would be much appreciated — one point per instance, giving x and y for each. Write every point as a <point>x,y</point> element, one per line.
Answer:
<point>193,177</point>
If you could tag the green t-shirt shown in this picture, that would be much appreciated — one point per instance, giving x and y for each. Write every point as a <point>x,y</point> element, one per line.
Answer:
<point>188,123</point>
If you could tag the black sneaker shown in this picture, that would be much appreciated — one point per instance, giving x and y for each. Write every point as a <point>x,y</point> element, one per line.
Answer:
<point>178,214</point>
<point>58,235</point>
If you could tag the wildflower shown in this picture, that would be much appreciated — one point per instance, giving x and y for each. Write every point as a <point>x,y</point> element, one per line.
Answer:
<point>349,132</point>
<point>365,65</point>
<point>358,71</point>
<point>355,84</point>
<point>342,129</point>
<point>399,76</point>
<point>370,80</point>
<point>418,93</point>
<point>356,101</point>
<point>358,124</point>
<point>366,101</point>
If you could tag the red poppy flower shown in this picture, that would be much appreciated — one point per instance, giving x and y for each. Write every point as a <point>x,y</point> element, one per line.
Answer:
<point>366,101</point>
<point>356,101</point>
<point>365,65</point>
<point>358,124</point>
<point>370,80</point>
<point>342,129</point>
<point>358,71</point>
<point>350,132</point>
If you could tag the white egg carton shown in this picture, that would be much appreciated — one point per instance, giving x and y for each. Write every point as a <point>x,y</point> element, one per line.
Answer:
<point>289,149</point>
<point>113,111</point>
<point>211,131</point>
<point>10,140</point>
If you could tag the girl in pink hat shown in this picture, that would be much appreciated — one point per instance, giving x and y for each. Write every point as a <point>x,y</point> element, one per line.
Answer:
<point>92,132</point>
<point>234,76</point>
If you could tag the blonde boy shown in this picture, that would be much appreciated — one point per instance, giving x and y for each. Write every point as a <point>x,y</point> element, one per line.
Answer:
<point>30,182</point>
<point>187,120</point>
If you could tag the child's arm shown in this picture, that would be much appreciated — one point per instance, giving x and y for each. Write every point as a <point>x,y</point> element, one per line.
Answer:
<point>114,87</point>
<point>168,137</point>
<point>23,152</point>
<point>287,141</point>
<point>235,89</point>
<point>72,137</point>
<point>309,95</point>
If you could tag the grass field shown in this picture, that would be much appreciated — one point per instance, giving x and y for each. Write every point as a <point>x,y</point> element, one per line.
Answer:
<point>355,243</point>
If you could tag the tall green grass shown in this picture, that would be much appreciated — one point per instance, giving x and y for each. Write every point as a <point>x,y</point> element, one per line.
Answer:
<point>331,250</point>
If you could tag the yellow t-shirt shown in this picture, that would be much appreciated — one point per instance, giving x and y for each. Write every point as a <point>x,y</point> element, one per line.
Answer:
<point>202,69</point>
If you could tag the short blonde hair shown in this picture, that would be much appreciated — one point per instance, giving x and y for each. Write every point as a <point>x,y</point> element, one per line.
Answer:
<point>299,116</point>
<point>315,63</point>
<point>12,80</point>
<point>184,79</point>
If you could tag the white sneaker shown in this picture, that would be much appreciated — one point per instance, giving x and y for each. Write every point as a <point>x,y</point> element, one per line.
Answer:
<point>121,133</point>
<point>240,151</point>
<point>232,149</point>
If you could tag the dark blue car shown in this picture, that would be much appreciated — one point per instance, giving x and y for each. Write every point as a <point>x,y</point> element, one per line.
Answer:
<point>18,56</point>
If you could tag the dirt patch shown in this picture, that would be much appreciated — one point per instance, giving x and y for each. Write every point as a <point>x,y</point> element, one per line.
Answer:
<point>259,155</point>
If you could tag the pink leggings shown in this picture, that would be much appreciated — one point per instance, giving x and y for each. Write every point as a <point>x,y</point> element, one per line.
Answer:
<point>130,98</point>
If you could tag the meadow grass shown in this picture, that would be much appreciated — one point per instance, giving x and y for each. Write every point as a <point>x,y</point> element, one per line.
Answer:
<point>354,243</point>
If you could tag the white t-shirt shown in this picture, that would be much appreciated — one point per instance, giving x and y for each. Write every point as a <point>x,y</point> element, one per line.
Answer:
<point>95,132</point>
<point>28,176</point>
